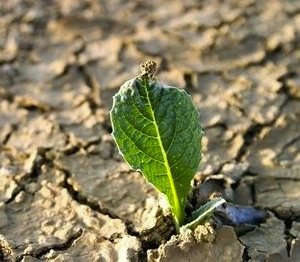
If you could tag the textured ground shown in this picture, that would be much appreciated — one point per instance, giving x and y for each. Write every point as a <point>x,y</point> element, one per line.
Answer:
<point>66,194</point>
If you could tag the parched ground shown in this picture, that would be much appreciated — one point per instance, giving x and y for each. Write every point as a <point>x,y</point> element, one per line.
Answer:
<point>65,192</point>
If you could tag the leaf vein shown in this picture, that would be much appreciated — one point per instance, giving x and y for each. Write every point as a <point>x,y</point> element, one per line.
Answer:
<point>183,153</point>
<point>135,128</point>
<point>134,103</point>
<point>151,157</point>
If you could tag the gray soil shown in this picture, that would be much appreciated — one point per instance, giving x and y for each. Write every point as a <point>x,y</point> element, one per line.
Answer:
<point>65,192</point>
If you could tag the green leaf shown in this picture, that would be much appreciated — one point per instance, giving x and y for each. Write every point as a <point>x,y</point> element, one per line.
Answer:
<point>156,128</point>
<point>203,213</point>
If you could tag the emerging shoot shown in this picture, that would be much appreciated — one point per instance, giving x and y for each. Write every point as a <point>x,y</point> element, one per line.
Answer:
<point>156,128</point>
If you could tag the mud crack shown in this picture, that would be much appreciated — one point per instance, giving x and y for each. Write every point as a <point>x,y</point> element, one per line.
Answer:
<point>89,79</point>
<point>96,206</point>
<point>42,252</point>
<point>249,137</point>
<point>33,166</point>
<point>6,133</point>
<point>73,147</point>
<point>288,236</point>
<point>252,133</point>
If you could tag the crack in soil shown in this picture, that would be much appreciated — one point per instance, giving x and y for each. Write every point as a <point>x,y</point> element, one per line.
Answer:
<point>96,206</point>
<point>38,158</point>
<point>246,256</point>
<point>288,144</point>
<point>93,84</point>
<point>249,137</point>
<point>71,148</point>
<point>253,132</point>
<point>33,20</point>
<point>288,224</point>
<point>8,131</point>
<point>288,236</point>
<point>94,98</point>
<point>43,251</point>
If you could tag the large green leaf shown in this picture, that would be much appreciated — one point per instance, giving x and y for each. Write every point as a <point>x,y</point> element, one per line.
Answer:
<point>157,130</point>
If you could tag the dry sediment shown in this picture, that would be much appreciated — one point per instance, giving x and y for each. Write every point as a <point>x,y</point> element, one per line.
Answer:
<point>66,194</point>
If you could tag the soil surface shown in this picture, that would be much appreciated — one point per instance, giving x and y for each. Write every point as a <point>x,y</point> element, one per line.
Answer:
<point>65,192</point>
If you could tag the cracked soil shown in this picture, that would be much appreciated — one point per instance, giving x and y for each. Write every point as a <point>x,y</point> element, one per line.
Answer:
<point>65,192</point>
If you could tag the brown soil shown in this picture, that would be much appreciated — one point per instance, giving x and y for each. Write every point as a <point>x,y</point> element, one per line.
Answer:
<point>65,192</point>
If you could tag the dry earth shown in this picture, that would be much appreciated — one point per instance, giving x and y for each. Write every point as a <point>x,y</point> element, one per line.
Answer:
<point>66,194</point>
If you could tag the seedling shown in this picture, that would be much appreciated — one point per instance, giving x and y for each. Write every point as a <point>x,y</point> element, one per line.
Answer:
<point>156,128</point>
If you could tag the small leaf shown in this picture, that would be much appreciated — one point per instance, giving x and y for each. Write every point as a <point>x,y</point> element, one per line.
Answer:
<point>203,213</point>
<point>156,128</point>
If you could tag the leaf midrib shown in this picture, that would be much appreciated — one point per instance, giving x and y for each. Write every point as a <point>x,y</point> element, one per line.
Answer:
<point>177,210</point>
